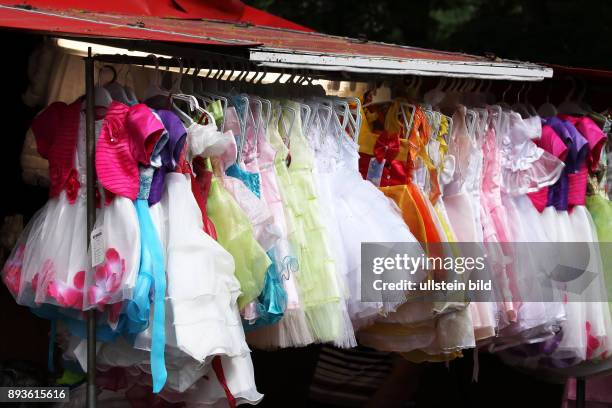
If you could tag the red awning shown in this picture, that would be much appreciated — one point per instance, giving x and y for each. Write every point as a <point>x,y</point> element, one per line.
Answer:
<point>226,10</point>
<point>270,41</point>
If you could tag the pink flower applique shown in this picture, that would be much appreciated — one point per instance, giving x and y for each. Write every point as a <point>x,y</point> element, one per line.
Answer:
<point>592,342</point>
<point>72,186</point>
<point>108,277</point>
<point>65,295</point>
<point>42,280</point>
<point>12,270</point>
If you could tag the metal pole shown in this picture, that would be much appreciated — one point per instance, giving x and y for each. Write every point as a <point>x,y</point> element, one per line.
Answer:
<point>90,144</point>
<point>580,392</point>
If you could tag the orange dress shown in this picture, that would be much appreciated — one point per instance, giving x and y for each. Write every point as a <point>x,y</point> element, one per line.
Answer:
<point>415,330</point>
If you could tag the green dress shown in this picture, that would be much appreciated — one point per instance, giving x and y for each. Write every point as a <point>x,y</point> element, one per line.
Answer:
<point>320,291</point>
<point>601,211</point>
<point>235,234</point>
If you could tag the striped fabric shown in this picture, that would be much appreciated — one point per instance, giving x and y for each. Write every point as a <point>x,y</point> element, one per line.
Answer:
<point>124,137</point>
<point>348,377</point>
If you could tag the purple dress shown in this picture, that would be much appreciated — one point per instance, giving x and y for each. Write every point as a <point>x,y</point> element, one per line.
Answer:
<point>170,153</point>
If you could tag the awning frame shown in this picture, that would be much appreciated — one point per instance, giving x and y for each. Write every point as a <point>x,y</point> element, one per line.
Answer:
<point>196,39</point>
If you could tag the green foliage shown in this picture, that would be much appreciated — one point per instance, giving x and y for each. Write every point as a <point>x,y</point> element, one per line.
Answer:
<point>567,32</point>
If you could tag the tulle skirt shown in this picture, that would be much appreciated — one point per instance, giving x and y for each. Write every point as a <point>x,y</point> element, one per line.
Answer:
<point>460,210</point>
<point>585,334</point>
<point>50,260</point>
<point>202,288</point>
<point>539,312</point>
<point>364,215</point>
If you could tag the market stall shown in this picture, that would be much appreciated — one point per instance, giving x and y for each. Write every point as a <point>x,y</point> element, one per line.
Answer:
<point>278,79</point>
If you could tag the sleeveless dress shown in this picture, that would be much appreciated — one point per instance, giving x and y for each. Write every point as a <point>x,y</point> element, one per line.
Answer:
<point>293,329</point>
<point>321,295</point>
<point>361,213</point>
<point>496,231</point>
<point>272,302</point>
<point>527,168</point>
<point>462,201</point>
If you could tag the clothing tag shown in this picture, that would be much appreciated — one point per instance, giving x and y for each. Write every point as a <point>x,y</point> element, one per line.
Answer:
<point>375,171</point>
<point>97,247</point>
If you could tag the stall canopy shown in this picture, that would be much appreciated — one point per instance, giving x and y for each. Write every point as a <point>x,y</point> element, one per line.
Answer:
<point>266,40</point>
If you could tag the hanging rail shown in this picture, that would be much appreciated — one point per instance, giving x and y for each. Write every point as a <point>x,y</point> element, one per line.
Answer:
<point>174,62</point>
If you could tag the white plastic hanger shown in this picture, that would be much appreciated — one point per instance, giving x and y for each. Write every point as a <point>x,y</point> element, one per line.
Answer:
<point>322,116</point>
<point>286,124</point>
<point>154,88</point>
<point>530,108</point>
<point>408,121</point>
<point>520,107</point>
<point>503,104</point>
<point>495,116</point>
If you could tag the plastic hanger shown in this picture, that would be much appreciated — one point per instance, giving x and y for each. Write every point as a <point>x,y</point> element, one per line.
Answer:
<point>324,115</point>
<point>154,88</point>
<point>129,91</point>
<point>495,116</point>
<point>243,122</point>
<point>520,107</point>
<point>209,97</point>
<point>305,112</point>
<point>266,111</point>
<point>435,95</point>
<point>408,121</point>
<point>530,108</point>
<point>338,129</point>
<point>471,118</point>
<point>580,98</point>
<point>114,88</point>
<point>570,106</point>
<point>314,122</point>
<point>284,126</point>
<point>341,108</point>
<point>256,108</point>
<point>177,94</point>
<point>354,115</point>
<point>450,127</point>
<point>102,98</point>
<point>503,104</point>
<point>547,109</point>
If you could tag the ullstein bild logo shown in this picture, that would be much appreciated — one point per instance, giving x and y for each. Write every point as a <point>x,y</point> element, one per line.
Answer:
<point>472,271</point>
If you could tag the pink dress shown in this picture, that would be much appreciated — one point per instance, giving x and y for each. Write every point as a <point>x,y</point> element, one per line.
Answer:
<point>50,260</point>
<point>496,230</point>
<point>463,205</point>
<point>525,168</point>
